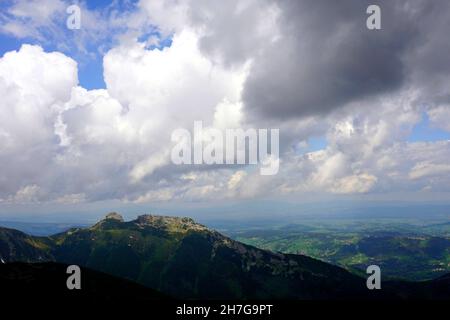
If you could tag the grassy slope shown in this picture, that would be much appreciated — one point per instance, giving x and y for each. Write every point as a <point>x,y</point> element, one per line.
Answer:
<point>194,262</point>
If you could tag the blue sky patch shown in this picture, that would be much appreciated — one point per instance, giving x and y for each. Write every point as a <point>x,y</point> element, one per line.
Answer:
<point>424,131</point>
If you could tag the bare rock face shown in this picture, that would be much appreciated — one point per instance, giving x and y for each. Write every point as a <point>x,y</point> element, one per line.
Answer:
<point>114,216</point>
<point>168,223</point>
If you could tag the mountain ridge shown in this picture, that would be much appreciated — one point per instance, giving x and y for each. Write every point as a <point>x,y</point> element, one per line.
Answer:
<point>184,259</point>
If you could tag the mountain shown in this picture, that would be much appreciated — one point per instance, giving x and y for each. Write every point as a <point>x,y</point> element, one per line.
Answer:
<point>187,260</point>
<point>184,259</point>
<point>18,246</point>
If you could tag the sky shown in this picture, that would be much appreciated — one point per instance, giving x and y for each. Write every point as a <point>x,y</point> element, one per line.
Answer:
<point>86,115</point>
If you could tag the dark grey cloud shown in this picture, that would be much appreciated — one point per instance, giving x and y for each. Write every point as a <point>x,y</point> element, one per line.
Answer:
<point>327,57</point>
<point>429,63</point>
<point>232,30</point>
<point>324,56</point>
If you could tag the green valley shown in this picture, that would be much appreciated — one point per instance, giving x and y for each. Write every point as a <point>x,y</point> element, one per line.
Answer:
<point>402,250</point>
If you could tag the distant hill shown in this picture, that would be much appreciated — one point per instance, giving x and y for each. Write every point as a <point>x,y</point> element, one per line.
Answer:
<point>410,256</point>
<point>40,228</point>
<point>185,259</point>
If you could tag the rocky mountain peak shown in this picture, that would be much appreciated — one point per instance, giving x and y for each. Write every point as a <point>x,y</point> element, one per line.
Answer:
<point>169,223</point>
<point>113,216</point>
